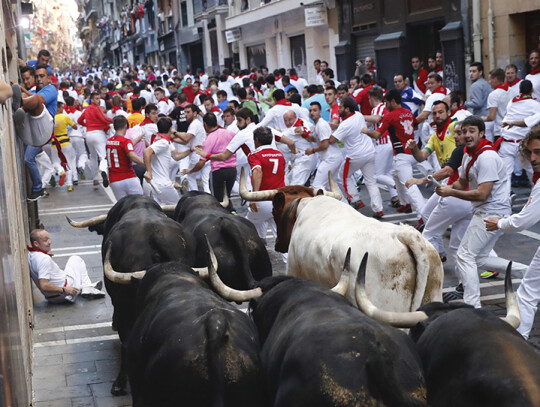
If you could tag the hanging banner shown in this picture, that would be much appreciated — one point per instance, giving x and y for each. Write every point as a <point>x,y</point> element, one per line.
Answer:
<point>315,16</point>
<point>233,35</point>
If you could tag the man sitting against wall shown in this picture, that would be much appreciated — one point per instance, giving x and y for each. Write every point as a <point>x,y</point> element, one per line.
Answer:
<point>55,284</point>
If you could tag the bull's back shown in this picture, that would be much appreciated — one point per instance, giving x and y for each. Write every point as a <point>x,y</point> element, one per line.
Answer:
<point>326,228</point>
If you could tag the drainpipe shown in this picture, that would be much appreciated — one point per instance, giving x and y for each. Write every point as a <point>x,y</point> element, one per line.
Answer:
<point>465,22</point>
<point>491,39</point>
<point>477,33</point>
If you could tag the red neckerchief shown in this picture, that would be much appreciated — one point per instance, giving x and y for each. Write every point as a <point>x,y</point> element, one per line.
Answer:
<point>502,86</point>
<point>216,109</point>
<point>510,84</point>
<point>146,121</point>
<point>483,145</point>
<point>318,71</point>
<point>201,75</point>
<point>159,136</point>
<point>116,109</point>
<point>300,123</point>
<point>438,69</point>
<point>277,78</point>
<point>164,99</point>
<point>70,109</point>
<point>521,97</point>
<point>535,71</point>
<point>441,131</point>
<point>294,77</point>
<point>346,117</point>
<point>459,108</point>
<point>283,102</point>
<point>37,249</point>
<point>536,176</point>
<point>440,89</point>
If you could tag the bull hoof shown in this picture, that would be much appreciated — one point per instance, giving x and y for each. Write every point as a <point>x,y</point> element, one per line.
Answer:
<point>117,390</point>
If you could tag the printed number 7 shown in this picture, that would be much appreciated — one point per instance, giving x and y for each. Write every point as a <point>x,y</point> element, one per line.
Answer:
<point>276,164</point>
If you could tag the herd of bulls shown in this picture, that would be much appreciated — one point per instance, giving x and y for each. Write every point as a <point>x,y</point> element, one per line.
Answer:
<point>322,340</point>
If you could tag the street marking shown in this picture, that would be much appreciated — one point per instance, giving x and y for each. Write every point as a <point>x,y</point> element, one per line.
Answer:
<point>105,206</point>
<point>530,234</point>
<point>63,212</point>
<point>61,249</point>
<point>76,340</point>
<point>73,328</point>
<point>109,193</point>
<point>76,254</point>
<point>485,285</point>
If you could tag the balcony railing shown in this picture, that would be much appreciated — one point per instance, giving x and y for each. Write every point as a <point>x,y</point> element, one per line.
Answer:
<point>90,8</point>
<point>208,6</point>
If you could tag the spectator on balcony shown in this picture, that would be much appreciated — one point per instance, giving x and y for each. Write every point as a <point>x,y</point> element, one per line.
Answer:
<point>149,9</point>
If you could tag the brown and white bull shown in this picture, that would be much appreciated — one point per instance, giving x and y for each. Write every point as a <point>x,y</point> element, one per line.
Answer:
<point>404,269</point>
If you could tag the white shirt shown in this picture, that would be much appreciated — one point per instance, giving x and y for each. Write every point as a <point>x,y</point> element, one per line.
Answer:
<point>226,86</point>
<point>161,162</point>
<point>245,138</point>
<point>300,142</point>
<point>513,91</point>
<point>148,130</point>
<point>498,98</point>
<point>147,95</point>
<point>274,116</point>
<point>527,217</point>
<point>518,111</point>
<point>78,131</point>
<point>461,114</point>
<point>488,167</point>
<point>233,127</point>
<point>300,84</point>
<point>535,79</point>
<point>42,266</point>
<point>199,135</point>
<point>357,144</point>
<point>533,120</point>
<point>165,107</point>
<point>322,132</point>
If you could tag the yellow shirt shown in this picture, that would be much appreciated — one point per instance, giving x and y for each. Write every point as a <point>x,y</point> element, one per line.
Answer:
<point>61,123</point>
<point>443,148</point>
<point>135,119</point>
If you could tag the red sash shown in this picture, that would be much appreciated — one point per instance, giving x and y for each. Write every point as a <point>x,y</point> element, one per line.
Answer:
<point>483,145</point>
<point>345,175</point>
<point>37,249</point>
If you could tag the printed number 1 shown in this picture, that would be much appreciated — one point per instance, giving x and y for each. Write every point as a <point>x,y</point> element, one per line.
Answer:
<point>276,165</point>
<point>115,163</point>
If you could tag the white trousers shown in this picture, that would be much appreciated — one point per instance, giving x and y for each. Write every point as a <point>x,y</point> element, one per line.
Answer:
<point>203,175</point>
<point>472,254</point>
<point>168,196</point>
<point>47,169</point>
<point>347,183</point>
<point>384,159</point>
<point>37,129</point>
<point>247,169</point>
<point>320,181</point>
<point>80,151</point>
<point>125,187</point>
<point>403,170</point>
<point>76,276</point>
<point>508,153</point>
<point>302,166</point>
<point>528,295</point>
<point>448,211</point>
<point>262,218</point>
<point>96,141</point>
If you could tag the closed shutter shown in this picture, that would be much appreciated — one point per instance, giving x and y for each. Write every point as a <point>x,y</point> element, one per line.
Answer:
<point>365,47</point>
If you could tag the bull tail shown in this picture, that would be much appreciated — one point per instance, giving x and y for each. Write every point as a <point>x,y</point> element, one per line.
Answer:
<point>429,269</point>
<point>217,334</point>
<point>230,229</point>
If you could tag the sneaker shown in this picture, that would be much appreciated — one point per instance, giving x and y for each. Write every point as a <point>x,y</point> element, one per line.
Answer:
<point>92,293</point>
<point>357,205</point>
<point>98,285</point>
<point>443,260</point>
<point>489,274</point>
<point>18,120</point>
<point>243,202</point>
<point>452,296</point>
<point>96,183</point>
<point>62,179</point>
<point>378,215</point>
<point>394,202</point>
<point>420,225</point>
<point>75,182</point>
<point>52,181</point>
<point>105,179</point>
<point>404,208</point>
<point>80,171</point>
<point>16,99</point>
<point>35,195</point>
<point>70,188</point>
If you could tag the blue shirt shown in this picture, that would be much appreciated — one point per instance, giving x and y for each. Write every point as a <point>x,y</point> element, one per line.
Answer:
<point>223,105</point>
<point>319,97</point>
<point>33,64</point>
<point>50,94</point>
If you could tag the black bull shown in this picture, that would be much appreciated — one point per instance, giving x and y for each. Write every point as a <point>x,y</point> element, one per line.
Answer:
<point>189,347</point>
<point>242,256</point>
<point>319,350</point>
<point>136,235</point>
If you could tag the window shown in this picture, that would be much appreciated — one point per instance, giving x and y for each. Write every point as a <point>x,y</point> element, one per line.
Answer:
<point>183,11</point>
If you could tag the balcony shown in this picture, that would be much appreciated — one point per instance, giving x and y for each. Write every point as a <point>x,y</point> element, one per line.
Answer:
<point>90,9</point>
<point>206,8</point>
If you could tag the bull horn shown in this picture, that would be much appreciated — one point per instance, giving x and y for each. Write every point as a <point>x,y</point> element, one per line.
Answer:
<point>223,290</point>
<point>116,277</point>
<point>168,208</point>
<point>334,190</point>
<point>343,284</point>
<point>397,319</point>
<point>513,317</point>
<point>225,203</point>
<point>203,271</point>
<point>89,222</point>
<point>254,196</point>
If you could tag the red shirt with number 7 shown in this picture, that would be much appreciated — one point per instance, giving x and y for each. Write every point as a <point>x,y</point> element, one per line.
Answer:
<point>272,164</point>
